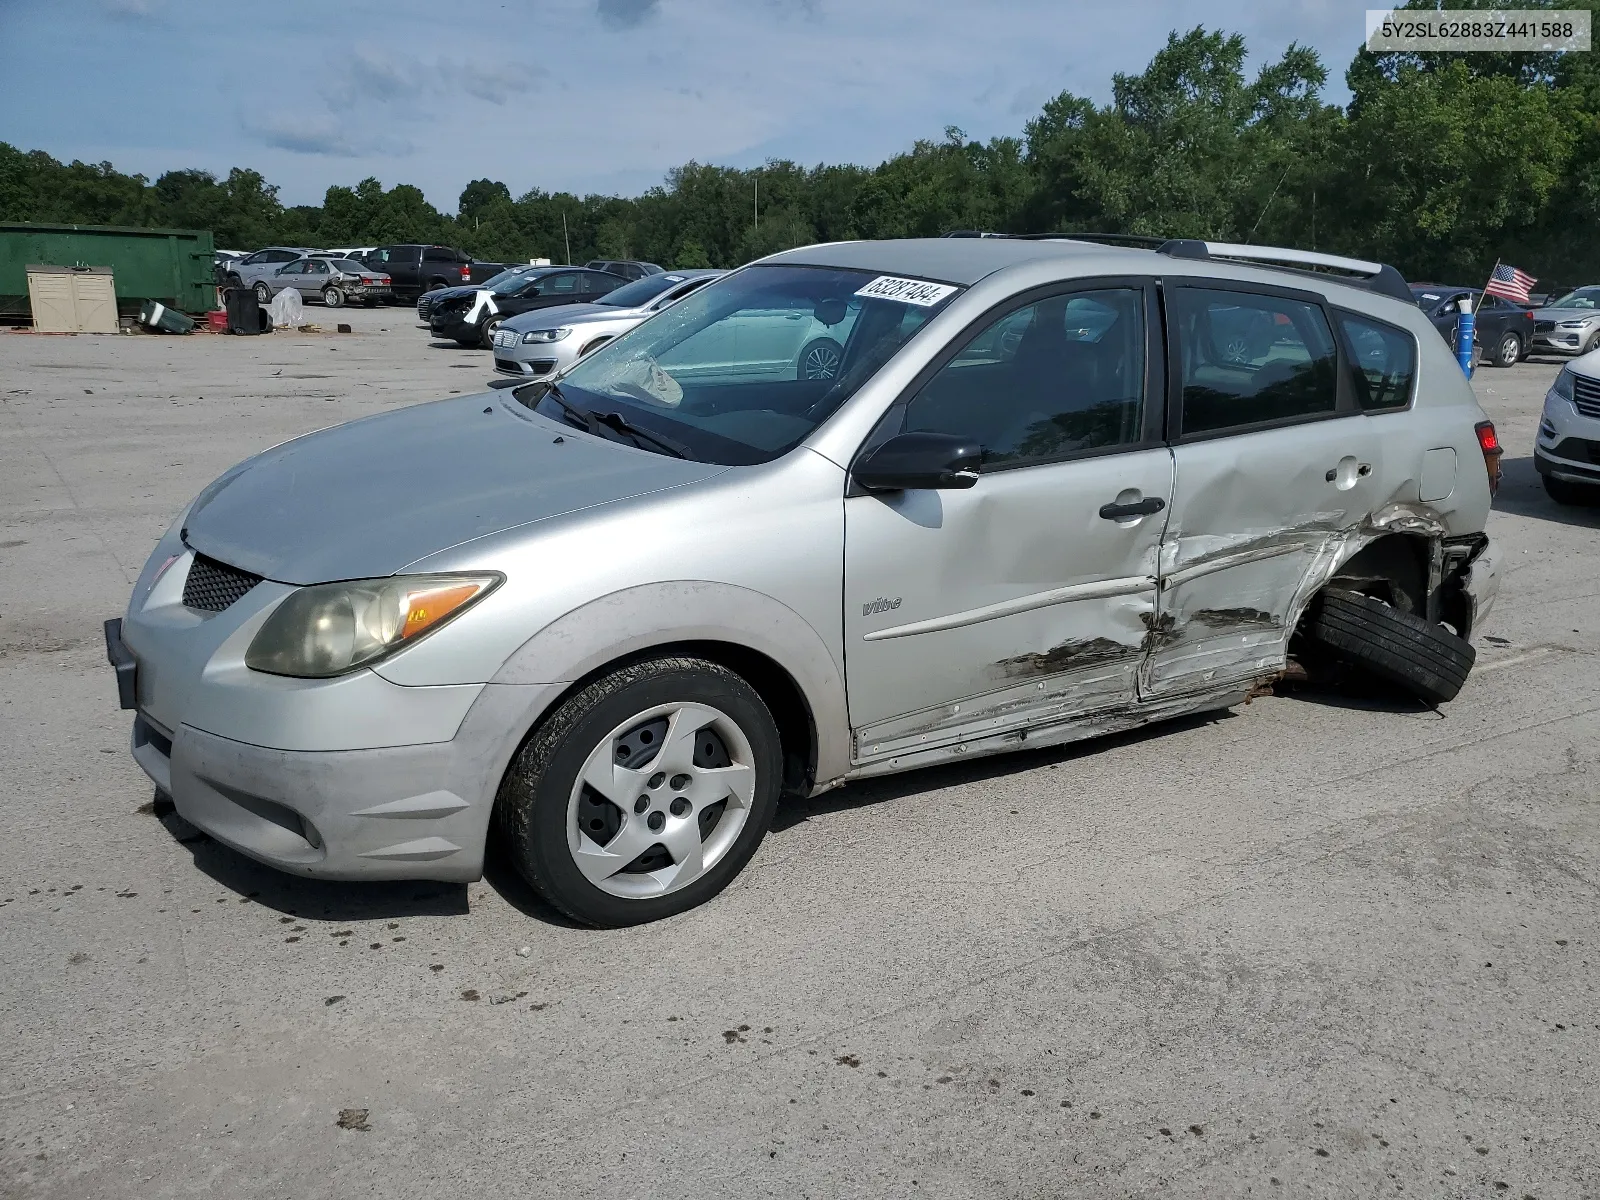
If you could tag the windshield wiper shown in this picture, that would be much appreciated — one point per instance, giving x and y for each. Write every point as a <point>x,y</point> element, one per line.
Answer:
<point>600,424</point>
<point>620,423</point>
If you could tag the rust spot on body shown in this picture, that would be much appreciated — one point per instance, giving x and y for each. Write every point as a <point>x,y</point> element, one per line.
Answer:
<point>1068,656</point>
<point>1228,618</point>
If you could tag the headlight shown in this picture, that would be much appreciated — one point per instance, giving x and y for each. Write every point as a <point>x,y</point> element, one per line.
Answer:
<point>336,627</point>
<point>545,335</point>
<point>1574,324</point>
<point>1563,385</point>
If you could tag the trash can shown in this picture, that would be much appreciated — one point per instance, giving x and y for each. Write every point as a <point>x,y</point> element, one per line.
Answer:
<point>161,319</point>
<point>245,314</point>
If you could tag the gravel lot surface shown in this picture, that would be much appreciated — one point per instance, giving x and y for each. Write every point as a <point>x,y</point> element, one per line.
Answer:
<point>1317,946</point>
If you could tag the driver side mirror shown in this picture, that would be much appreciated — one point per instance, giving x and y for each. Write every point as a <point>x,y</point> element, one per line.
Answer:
<point>911,461</point>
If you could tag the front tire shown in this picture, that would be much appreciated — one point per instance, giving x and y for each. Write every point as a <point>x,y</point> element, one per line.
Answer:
<point>486,336</point>
<point>645,793</point>
<point>1507,351</point>
<point>263,293</point>
<point>1398,647</point>
<point>820,359</point>
<point>333,297</point>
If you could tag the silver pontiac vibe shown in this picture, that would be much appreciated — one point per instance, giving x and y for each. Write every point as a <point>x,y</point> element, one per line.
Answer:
<point>1050,489</point>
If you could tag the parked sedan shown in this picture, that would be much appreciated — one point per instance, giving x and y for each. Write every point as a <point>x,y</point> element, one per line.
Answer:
<point>1570,325</point>
<point>253,269</point>
<point>471,316</point>
<point>427,300</point>
<point>1503,332</point>
<point>548,340</point>
<point>332,281</point>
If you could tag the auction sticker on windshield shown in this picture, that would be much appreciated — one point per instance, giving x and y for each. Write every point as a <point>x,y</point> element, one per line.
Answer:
<point>907,291</point>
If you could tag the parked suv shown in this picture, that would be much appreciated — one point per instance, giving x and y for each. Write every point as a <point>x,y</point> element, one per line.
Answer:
<point>252,269</point>
<point>1570,325</point>
<point>1503,332</point>
<point>608,620</point>
<point>626,267</point>
<point>1567,451</point>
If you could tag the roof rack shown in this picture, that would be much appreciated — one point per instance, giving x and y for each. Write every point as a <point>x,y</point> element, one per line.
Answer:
<point>1373,276</point>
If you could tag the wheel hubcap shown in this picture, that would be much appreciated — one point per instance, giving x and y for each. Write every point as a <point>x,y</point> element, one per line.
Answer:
<point>822,363</point>
<point>661,800</point>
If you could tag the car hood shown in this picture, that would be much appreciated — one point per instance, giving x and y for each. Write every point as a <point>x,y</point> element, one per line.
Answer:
<point>559,314</point>
<point>363,500</point>
<point>1566,314</point>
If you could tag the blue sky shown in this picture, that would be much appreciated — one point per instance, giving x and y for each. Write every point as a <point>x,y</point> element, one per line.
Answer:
<point>584,95</point>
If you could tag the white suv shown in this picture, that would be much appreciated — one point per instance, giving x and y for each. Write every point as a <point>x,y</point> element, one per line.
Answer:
<point>1567,453</point>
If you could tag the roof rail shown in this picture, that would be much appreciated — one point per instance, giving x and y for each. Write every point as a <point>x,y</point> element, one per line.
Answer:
<point>1358,272</point>
<point>1374,276</point>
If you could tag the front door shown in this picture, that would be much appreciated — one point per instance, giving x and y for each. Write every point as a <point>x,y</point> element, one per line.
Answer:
<point>1026,600</point>
<point>1275,463</point>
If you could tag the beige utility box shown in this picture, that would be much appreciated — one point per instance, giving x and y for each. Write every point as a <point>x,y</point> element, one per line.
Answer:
<point>72,299</point>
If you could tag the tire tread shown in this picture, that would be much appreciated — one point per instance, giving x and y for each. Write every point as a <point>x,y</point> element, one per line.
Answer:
<point>1398,647</point>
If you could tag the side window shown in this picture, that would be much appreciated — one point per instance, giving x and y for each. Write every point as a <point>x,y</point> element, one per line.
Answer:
<point>1385,361</point>
<point>1248,359</point>
<point>598,284</point>
<point>283,256</point>
<point>316,267</point>
<point>438,254</point>
<point>258,257</point>
<point>1060,376</point>
<point>565,284</point>
<point>293,268</point>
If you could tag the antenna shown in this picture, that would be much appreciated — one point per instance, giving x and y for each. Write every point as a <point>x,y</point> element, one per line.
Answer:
<point>564,236</point>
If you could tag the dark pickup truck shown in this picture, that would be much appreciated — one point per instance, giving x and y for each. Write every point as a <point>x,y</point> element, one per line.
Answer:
<point>1502,331</point>
<point>419,269</point>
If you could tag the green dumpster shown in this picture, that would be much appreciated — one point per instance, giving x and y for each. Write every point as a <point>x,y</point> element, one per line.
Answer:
<point>169,266</point>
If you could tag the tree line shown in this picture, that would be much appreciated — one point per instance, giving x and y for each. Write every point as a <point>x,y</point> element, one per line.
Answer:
<point>1439,163</point>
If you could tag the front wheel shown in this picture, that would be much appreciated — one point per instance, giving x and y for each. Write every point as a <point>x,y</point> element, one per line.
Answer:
<point>820,359</point>
<point>486,335</point>
<point>1507,351</point>
<point>263,293</point>
<point>644,794</point>
<point>333,297</point>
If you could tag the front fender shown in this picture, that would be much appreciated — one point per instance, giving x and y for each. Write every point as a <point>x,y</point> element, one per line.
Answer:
<point>635,620</point>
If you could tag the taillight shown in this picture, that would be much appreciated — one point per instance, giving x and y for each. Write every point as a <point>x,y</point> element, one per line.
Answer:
<point>466,273</point>
<point>1489,443</point>
<point>1529,314</point>
<point>385,280</point>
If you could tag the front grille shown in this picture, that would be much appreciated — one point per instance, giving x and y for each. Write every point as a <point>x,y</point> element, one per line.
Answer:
<point>1543,326</point>
<point>424,306</point>
<point>1586,395</point>
<point>1577,450</point>
<point>213,586</point>
<point>506,337</point>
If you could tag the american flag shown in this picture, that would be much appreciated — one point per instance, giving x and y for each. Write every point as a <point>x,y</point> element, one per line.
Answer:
<point>1510,283</point>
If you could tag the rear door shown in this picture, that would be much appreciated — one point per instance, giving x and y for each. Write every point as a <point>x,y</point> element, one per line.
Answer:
<point>1275,461</point>
<point>1026,600</point>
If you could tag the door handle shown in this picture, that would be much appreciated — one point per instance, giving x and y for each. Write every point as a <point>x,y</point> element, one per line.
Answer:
<point>1139,508</point>
<point>1362,469</point>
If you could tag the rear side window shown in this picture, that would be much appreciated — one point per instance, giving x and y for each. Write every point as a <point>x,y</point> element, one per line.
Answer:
<point>1250,359</point>
<point>438,254</point>
<point>1385,362</point>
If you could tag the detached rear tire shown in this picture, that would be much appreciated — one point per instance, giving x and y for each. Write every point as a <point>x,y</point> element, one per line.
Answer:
<point>1422,658</point>
<point>645,793</point>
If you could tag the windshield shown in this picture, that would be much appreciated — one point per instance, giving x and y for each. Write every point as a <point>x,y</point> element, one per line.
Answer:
<point>507,281</point>
<point>1584,297</point>
<point>640,291</point>
<point>743,369</point>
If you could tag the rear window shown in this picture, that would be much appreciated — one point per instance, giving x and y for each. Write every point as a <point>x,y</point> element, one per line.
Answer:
<point>1385,360</point>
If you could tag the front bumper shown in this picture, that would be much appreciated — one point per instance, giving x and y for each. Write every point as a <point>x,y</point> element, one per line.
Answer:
<point>453,327</point>
<point>344,778</point>
<point>1568,443</point>
<point>1560,341</point>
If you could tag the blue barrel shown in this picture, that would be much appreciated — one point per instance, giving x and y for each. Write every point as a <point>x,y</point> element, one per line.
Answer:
<point>1464,322</point>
